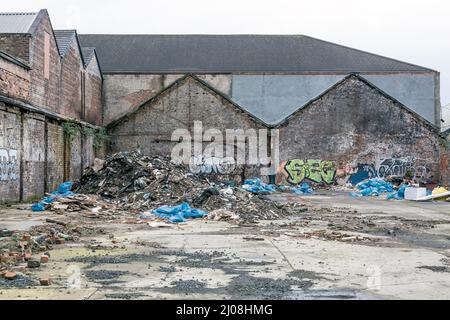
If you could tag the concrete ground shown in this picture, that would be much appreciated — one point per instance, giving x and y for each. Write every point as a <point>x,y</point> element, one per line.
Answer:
<point>341,248</point>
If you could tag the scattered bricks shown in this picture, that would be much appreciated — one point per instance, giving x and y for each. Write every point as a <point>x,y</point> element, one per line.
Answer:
<point>26,237</point>
<point>15,256</point>
<point>44,281</point>
<point>27,256</point>
<point>44,258</point>
<point>10,275</point>
<point>33,264</point>
<point>20,268</point>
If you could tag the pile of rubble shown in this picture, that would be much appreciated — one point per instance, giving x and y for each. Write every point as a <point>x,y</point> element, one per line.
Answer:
<point>135,181</point>
<point>249,207</point>
<point>90,206</point>
<point>132,181</point>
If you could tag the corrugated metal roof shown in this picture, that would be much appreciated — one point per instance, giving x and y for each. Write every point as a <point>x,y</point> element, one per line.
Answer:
<point>233,53</point>
<point>64,38</point>
<point>17,22</point>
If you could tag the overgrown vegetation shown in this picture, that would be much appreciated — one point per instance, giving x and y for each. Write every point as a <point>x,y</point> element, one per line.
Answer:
<point>100,136</point>
<point>72,128</point>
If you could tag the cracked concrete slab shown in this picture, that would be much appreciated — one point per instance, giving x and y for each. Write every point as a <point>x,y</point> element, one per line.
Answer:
<point>309,256</point>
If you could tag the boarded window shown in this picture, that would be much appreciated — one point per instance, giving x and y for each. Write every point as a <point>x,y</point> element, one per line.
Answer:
<point>46,55</point>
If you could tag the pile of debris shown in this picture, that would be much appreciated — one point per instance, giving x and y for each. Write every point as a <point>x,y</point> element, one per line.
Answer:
<point>248,206</point>
<point>132,181</point>
<point>135,181</point>
<point>92,206</point>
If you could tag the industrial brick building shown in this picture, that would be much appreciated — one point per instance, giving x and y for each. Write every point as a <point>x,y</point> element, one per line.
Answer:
<point>369,111</point>
<point>341,113</point>
<point>46,79</point>
<point>270,76</point>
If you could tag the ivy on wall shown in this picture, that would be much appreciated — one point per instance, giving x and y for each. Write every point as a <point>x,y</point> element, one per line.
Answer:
<point>72,128</point>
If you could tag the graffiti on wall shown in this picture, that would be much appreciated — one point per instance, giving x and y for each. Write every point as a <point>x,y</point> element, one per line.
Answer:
<point>408,167</point>
<point>317,171</point>
<point>9,165</point>
<point>325,171</point>
<point>400,167</point>
<point>200,164</point>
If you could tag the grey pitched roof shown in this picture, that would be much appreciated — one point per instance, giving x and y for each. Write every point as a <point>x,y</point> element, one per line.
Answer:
<point>17,22</point>
<point>64,39</point>
<point>88,53</point>
<point>232,53</point>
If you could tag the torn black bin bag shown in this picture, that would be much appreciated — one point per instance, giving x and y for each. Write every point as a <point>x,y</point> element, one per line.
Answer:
<point>205,196</point>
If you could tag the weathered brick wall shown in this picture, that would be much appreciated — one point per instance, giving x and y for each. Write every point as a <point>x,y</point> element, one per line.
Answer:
<point>45,93</point>
<point>125,92</point>
<point>14,80</point>
<point>10,153</point>
<point>71,69</point>
<point>151,127</point>
<point>353,127</point>
<point>93,93</point>
<point>444,166</point>
<point>35,156</point>
<point>356,127</point>
<point>55,155</point>
<point>16,45</point>
<point>75,150</point>
<point>88,153</point>
<point>57,88</point>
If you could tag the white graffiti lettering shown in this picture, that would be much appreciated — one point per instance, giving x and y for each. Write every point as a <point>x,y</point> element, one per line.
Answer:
<point>201,164</point>
<point>417,168</point>
<point>9,165</point>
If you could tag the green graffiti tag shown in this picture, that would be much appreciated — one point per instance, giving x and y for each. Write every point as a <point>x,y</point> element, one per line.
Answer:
<point>314,170</point>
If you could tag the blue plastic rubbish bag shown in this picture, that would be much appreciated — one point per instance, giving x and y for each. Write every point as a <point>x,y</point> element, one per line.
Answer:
<point>304,188</point>
<point>62,192</point>
<point>65,187</point>
<point>178,213</point>
<point>399,195</point>
<point>38,207</point>
<point>372,188</point>
<point>257,186</point>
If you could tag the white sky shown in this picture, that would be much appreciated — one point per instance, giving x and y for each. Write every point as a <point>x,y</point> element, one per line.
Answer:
<point>415,31</point>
